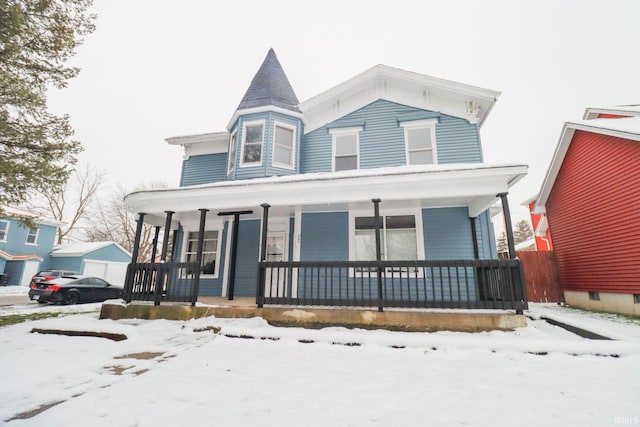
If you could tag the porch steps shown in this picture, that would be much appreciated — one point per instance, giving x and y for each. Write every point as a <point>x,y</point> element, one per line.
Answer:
<point>320,317</point>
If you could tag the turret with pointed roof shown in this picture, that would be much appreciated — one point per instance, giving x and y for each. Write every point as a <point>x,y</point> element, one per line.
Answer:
<point>270,87</point>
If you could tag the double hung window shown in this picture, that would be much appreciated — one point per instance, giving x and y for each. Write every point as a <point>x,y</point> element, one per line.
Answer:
<point>283,145</point>
<point>398,238</point>
<point>346,148</point>
<point>4,230</point>
<point>420,142</point>
<point>232,152</point>
<point>253,140</point>
<point>32,236</point>
<point>209,253</point>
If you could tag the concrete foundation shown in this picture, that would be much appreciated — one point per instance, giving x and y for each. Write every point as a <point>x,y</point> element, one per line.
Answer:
<point>614,303</point>
<point>422,321</point>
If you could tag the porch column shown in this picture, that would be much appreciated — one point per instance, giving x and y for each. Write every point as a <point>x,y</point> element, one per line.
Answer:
<point>263,255</point>
<point>199,250</point>
<point>165,238</point>
<point>507,224</point>
<point>128,281</point>
<point>376,215</point>
<point>474,237</point>
<point>161,273</point>
<point>234,249</point>
<point>154,249</point>
<point>136,241</point>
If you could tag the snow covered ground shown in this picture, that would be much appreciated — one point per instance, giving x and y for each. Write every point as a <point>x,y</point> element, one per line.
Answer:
<point>249,373</point>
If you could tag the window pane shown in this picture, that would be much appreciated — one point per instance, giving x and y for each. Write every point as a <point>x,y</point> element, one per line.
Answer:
<point>208,263</point>
<point>401,245</point>
<point>282,155</point>
<point>366,223</point>
<point>346,144</point>
<point>424,157</point>
<point>346,163</point>
<point>252,153</point>
<point>401,221</point>
<point>365,245</point>
<point>232,151</point>
<point>254,133</point>
<point>284,136</point>
<point>419,138</point>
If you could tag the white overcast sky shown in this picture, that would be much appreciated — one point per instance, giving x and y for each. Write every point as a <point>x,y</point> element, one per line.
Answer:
<point>156,69</point>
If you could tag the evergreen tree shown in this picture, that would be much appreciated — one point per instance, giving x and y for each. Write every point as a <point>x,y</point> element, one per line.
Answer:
<point>502,243</point>
<point>37,37</point>
<point>522,231</point>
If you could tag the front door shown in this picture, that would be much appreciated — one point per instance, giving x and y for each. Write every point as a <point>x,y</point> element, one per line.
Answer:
<point>276,278</point>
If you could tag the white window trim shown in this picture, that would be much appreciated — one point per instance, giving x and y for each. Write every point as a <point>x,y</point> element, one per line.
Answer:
<point>6,230</point>
<point>235,154</point>
<point>185,239</point>
<point>421,124</point>
<point>416,212</point>
<point>342,132</point>
<point>244,141</point>
<point>292,166</point>
<point>35,241</point>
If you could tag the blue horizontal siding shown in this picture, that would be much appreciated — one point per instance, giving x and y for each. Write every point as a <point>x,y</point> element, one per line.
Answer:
<point>382,140</point>
<point>203,169</point>
<point>325,236</point>
<point>247,261</point>
<point>447,234</point>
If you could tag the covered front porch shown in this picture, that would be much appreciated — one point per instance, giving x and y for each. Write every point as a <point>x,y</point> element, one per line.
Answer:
<point>407,237</point>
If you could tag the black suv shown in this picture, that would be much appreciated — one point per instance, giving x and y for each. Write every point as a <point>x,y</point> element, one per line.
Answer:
<point>46,275</point>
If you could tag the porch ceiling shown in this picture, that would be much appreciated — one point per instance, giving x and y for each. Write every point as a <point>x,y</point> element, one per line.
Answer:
<point>472,185</point>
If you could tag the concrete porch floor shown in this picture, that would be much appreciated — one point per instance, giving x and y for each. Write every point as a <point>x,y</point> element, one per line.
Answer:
<point>414,320</point>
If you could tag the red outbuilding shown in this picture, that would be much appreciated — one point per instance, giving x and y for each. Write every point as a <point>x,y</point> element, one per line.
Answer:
<point>590,203</point>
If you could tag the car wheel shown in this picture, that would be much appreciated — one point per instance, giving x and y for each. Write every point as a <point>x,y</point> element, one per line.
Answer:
<point>71,298</point>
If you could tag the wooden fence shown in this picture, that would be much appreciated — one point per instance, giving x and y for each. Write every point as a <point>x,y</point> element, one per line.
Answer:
<point>541,278</point>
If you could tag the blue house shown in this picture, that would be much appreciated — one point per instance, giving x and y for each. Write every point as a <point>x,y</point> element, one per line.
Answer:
<point>372,193</point>
<point>24,251</point>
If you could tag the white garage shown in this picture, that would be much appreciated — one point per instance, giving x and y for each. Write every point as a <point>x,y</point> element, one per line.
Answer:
<point>107,260</point>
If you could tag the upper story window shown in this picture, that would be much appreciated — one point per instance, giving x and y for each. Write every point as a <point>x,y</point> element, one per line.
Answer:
<point>209,254</point>
<point>232,151</point>
<point>420,141</point>
<point>346,148</point>
<point>32,236</point>
<point>252,142</point>
<point>4,230</point>
<point>283,145</point>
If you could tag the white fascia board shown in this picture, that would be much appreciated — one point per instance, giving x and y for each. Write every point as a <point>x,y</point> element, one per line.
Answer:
<point>542,227</point>
<point>265,109</point>
<point>554,167</point>
<point>622,110</point>
<point>620,128</point>
<point>206,143</point>
<point>400,86</point>
<point>316,189</point>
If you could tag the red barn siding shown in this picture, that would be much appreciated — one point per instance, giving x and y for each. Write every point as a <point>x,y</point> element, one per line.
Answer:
<point>594,214</point>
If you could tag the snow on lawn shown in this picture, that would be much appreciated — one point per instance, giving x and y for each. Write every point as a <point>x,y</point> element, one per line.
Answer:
<point>6,291</point>
<point>184,373</point>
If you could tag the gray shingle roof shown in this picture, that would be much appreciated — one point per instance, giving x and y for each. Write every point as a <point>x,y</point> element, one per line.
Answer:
<point>270,86</point>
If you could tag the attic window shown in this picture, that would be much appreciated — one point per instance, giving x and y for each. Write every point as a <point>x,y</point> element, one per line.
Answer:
<point>420,141</point>
<point>253,138</point>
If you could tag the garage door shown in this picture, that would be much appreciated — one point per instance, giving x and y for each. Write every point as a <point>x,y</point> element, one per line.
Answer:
<point>112,272</point>
<point>30,268</point>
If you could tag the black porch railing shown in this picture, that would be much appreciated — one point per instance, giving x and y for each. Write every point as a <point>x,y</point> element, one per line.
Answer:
<point>162,282</point>
<point>468,284</point>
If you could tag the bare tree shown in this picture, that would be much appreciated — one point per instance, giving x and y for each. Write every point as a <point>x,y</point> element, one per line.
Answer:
<point>111,221</point>
<point>71,203</point>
